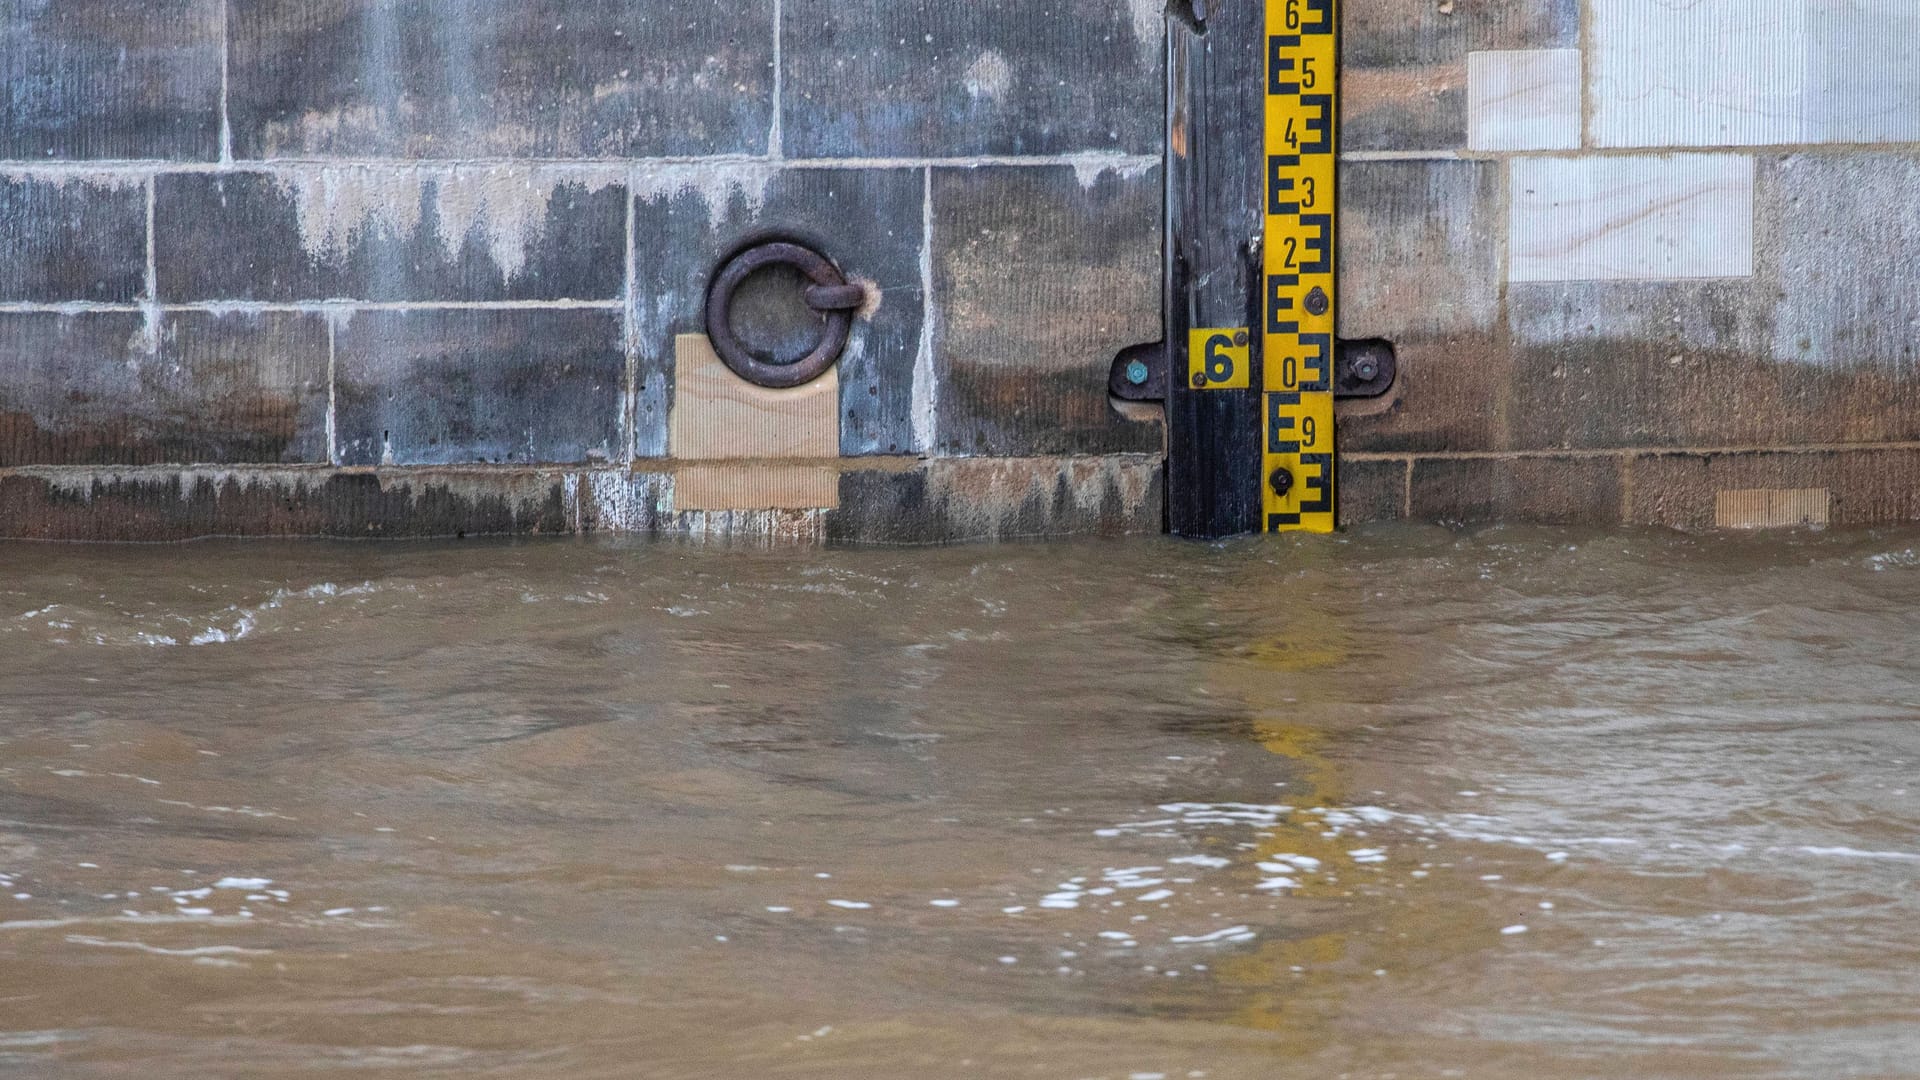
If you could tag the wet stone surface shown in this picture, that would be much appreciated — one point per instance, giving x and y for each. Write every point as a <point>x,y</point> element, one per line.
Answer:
<point>101,79</point>
<point>110,388</point>
<point>689,221</point>
<point>479,386</point>
<point>546,78</point>
<point>390,233</point>
<point>879,78</point>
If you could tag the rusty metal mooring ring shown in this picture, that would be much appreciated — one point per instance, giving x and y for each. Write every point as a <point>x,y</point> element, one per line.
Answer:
<point>830,295</point>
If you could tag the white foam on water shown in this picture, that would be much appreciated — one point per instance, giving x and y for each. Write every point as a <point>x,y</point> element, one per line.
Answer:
<point>1224,934</point>
<point>1856,853</point>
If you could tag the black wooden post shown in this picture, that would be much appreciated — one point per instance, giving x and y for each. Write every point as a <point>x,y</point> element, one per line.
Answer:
<point>1215,119</point>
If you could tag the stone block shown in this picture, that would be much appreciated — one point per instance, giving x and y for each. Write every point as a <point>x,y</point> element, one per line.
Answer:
<point>1404,66</point>
<point>1755,72</point>
<point>1421,249</point>
<point>97,388</point>
<point>184,504</point>
<point>930,78</point>
<point>1840,241</point>
<point>1811,350</point>
<point>757,486</point>
<point>948,500</point>
<point>871,222</point>
<point>719,416</point>
<point>1863,71</point>
<point>72,238</point>
<point>1041,277</point>
<point>1622,218</point>
<point>107,79</point>
<point>477,78</point>
<point>1372,489</point>
<point>1523,99</point>
<point>467,386</point>
<point>1542,490</point>
<point>1866,486</point>
<point>391,234</point>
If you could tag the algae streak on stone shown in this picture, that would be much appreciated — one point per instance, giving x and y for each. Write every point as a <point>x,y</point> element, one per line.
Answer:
<point>500,207</point>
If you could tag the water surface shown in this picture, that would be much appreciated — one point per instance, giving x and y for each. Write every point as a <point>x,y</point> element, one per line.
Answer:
<point>1401,803</point>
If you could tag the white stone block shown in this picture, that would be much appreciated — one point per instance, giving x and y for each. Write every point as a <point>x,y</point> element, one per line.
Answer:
<point>1677,73</point>
<point>1698,72</point>
<point>1863,71</point>
<point>1630,218</point>
<point>1523,99</point>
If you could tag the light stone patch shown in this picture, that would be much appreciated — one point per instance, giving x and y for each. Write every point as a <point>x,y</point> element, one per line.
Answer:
<point>1698,72</point>
<point>1863,71</point>
<point>1523,99</point>
<point>1626,218</point>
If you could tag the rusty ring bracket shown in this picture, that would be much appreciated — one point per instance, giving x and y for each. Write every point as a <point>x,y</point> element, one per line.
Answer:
<point>830,295</point>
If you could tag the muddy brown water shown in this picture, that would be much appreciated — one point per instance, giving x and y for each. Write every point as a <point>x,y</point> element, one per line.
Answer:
<point>1401,803</point>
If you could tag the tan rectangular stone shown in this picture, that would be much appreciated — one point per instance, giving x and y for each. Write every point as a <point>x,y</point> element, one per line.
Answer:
<point>757,487</point>
<point>718,416</point>
<point>1771,508</point>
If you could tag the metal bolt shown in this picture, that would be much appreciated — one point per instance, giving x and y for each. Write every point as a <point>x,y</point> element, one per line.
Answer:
<point>1317,301</point>
<point>1239,337</point>
<point>1199,380</point>
<point>1366,369</point>
<point>1281,482</point>
<point>1137,373</point>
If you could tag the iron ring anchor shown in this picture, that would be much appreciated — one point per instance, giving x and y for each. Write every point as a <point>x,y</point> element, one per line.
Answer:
<point>830,295</point>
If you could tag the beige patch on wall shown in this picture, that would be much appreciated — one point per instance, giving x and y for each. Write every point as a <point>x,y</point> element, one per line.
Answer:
<point>756,448</point>
<point>1771,508</point>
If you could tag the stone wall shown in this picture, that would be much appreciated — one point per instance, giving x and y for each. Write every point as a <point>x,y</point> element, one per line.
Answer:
<point>1637,255</point>
<point>372,267</point>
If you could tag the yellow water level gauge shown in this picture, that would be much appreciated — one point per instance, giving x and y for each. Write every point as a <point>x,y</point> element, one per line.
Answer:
<point>1298,254</point>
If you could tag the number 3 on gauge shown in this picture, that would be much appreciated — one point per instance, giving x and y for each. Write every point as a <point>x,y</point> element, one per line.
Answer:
<point>1218,359</point>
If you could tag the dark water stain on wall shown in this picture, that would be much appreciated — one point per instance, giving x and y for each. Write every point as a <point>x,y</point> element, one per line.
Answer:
<point>96,389</point>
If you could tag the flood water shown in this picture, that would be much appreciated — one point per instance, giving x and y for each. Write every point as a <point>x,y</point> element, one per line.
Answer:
<point>1403,802</point>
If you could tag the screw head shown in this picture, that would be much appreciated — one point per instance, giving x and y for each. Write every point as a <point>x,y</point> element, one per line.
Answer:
<point>1137,373</point>
<point>1317,301</point>
<point>1239,337</point>
<point>1281,481</point>
<point>1199,380</point>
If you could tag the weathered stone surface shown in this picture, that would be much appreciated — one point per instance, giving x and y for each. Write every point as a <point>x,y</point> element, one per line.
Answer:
<point>689,220</point>
<point>391,233</point>
<point>1544,490</point>
<point>1869,486</point>
<point>952,500</point>
<point>184,504</point>
<point>1628,217</point>
<point>930,78</point>
<point>1371,490</point>
<point>1404,66</point>
<point>72,238</point>
<point>1840,239</point>
<point>478,78</point>
<point>1524,99</point>
<point>1421,246</point>
<point>448,387</point>
<point>1674,364</point>
<point>109,79</point>
<point>95,389</point>
<point>1754,72</point>
<point>1041,277</point>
